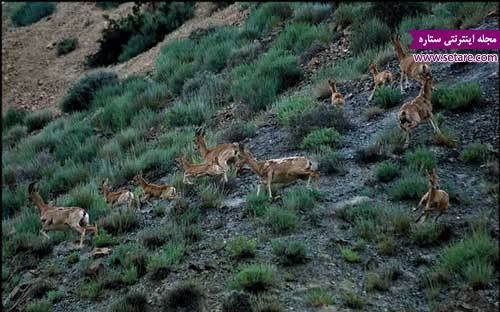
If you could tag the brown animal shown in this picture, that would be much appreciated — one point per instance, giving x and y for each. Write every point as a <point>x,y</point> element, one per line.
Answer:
<point>282,170</point>
<point>116,198</point>
<point>160,191</point>
<point>205,169</point>
<point>379,78</point>
<point>418,110</point>
<point>60,218</point>
<point>337,98</point>
<point>418,71</point>
<point>434,199</point>
<point>225,154</point>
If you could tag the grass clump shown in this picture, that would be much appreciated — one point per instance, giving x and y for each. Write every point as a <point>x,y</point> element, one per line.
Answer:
<point>81,93</point>
<point>31,12</point>
<point>298,37</point>
<point>291,104</point>
<point>312,13</point>
<point>66,45</point>
<point>118,222</point>
<point>192,113</point>
<point>353,300</point>
<point>257,205</point>
<point>429,234</point>
<point>237,132</point>
<point>370,34</point>
<point>392,139</point>
<point>387,97</point>
<point>479,273</point>
<point>318,297</point>
<point>73,257</point>
<point>330,161</point>
<point>350,255</point>
<point>323,137</point>
<point>282,221</point>
<point>265,18</point>
<point>152,238</point>
<point>387,171</point>
<point>38,119</point>
<point>131,256</point>
<point>242,247</point>
<point>184,296</point>
<point>39,306</point>
<point>476,153</point>
<point>211,196</point>
<point>91,290</point>
<point>375,281</point>
<point>161,263</point>
<point>12,117</point>
<point>55,295</point>
<point>254,278</point>
<point>409,188</point>
<point>300,198</point>
<point>421,159</point>
<point>289,252</point>
<point>132,302</point>
<point>462,96</point>
<point>349,13</point>
<point>387,247</point>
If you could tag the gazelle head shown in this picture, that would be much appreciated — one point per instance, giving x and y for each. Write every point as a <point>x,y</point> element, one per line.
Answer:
<point>332,84</point>
<point>138,177</point>
<point>104,185</point>
<point>32,188</point>
<point>433,178</point>
<point>198,136</point>
<point>373,68</point>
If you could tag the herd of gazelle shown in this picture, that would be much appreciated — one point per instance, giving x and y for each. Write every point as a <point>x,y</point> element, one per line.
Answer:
<point>218,160</point>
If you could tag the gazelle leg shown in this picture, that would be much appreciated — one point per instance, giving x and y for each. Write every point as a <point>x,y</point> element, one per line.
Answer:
<point>82,237</point>
<point>371,95</point>
<point>269,189</point>
<point>401,81</point>
<point>44,234</point>
<point>407,140</point>
<point>424,198</point>
<point>407,83</point>
<point>258,189</point>
<point>308,184</point>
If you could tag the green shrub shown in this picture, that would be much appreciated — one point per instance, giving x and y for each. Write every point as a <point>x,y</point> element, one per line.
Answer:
<point>281,220</point>
<point>211,196</point>
<point>91,290</point>
<point>254,278</point>
<point>106,5</point>
<point>312,13</point>
<point>387,97</point>
<point>212,88</point>
<point>350,255</point>
<point>387,171</point>
<point>39,306</point>
<point>73,258</point>
<point>131,255</point>
<point>299,37</point>
<point>242,247</point>
<point>410,187</point>
<point>353,300</point>
<point>266,17</point>
<point>267,303</point>
<point>401,221</point>
<point>192,113</point>
<point>364,210</point>
<point>257,84</point>
<point>55,296</point>
<point>88,197</point>
<point>330,161</point>
<point>68,176</point>
<point>66,45</point>
<point>154,237</point>
<point>387,247</point>
<point>184,296</point>
<point>462,96</point>
<point>392,139</point>
<point>103,239</point>
<point>154,97</point>
<point>287,106</point>
<point>118,223</point>
<point>38,119</point>
<point>318,297</point>
<point>161,263</point>
<point>257,205</point>
<point>81,93</point>
<point>31,12</point>
<point>370,34</point>
<point>237,131</point>
<point>348,13</point>
<point>367,228</point>
<point>398,11</point>
<point>429,234</point>
<point>289,252</point>
<point>479,273</point>
<point>244,54</point>
<point>476,153</point>
<point>421,159</point>
<point>376,282</point>
<point>132,302</point>
<point>159,210</point>
<point>323,137</point>
<point>13,201</point>
<point>13,117</point>
<point>300,198</point>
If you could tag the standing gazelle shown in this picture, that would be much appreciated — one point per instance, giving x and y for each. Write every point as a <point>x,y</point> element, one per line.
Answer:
<point>60,218</point>
<point>379,78</point>
<point>434,199</point>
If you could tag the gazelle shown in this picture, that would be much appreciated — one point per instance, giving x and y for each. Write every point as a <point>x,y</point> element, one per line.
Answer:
<point>281,170</point>
<point>116,198</point>
<point>60,218</point>
<point>417,111</point>
<point>222,154</point>
<point>379,78</point>
<point>418,71</point>
<point>205,169</point>
<point>337,98</point>
<point>434,199</point>
<point>161,191</point>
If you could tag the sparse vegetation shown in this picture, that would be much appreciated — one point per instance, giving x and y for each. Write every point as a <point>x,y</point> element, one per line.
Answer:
<point>387,171</point>
<point>461,96</point>
<point>317,139</point>
<point>476,153</point>
<point>282,221</point>
<point>409,188</point>
<point>254,278</point>
<point>185,296</point>
<point>421,160</point>
<point>289,252</point>
<point>257,205</point>
<point>39,306</point>
<point>132,302</point>
<point>349,255</point>
<point>330,161</point>
<point>242,247</point>
<point>31,12</point>
<point>353,300</point>
<point>318,297</point>
<point>387,97</point>
<point>66,45</point>
<point>430,234</point>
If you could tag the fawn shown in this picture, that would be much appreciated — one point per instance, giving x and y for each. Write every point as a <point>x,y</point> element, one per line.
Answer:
<point>282,170</point>
<point>379,78</point>
<point>222,154</point>
<point>161,191</point>
<point>337,98</point>
<point>418,71</point>
<point>434,199</point>
<point>205,169</point>
<point>60,218</point>
<point>116,198</point>
<point>418,110</point>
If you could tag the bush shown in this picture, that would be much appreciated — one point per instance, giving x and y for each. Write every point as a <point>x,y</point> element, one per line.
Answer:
<point>193,113</point>
<point>257,84</point>
<point>238,131</point>
<point>155,237</point>
<point>73,258</point>
<point>323,137</point>
<point>376,282</point>
<point>392,139</point>
<point>103,239</point>
<point>300,198</point>
<point>289,252</point>
<point>129,256</point>
<point>39,306</point>
<point>13,117</point>
<point>312,13</point>
<point>476,153</point>
<point>387,97</point>
<point>350,255</point>
<point>462,96</point>
<point>370,34</point>
<point>211,196</point>
<point>267,303</point>
<point>212,88</point>
<point>31,12</point>
<point>330,161</point>
<point>411,187</point>
<point>91,290</point>
<point>387,171</point>
<point>318,297</point>
<point>241,247</point>
<point>387,247</point>
<point>55,295</point>
<point>287,106</point>
<point>266,17</point>
<point>479,273</point>
<point>314,118</point>
<point>38,119</point>
<point>66,45</point>
<point>349,13</point>
<point>185,296</point>
<point>80,95</point>
<point>257,205</point>
<point>118,222</point>
<point>429,234</point>
<point>353,300</point>
<point>254,278</point>
<point>237,301</point>
<point>398,11</point>
<point>160,264</point>
<point>372,153</point>
<point>421,159</point>
<point>281,220</point>
<point>132,302</point>
<point>299,37</point>
<point>401,221</point>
